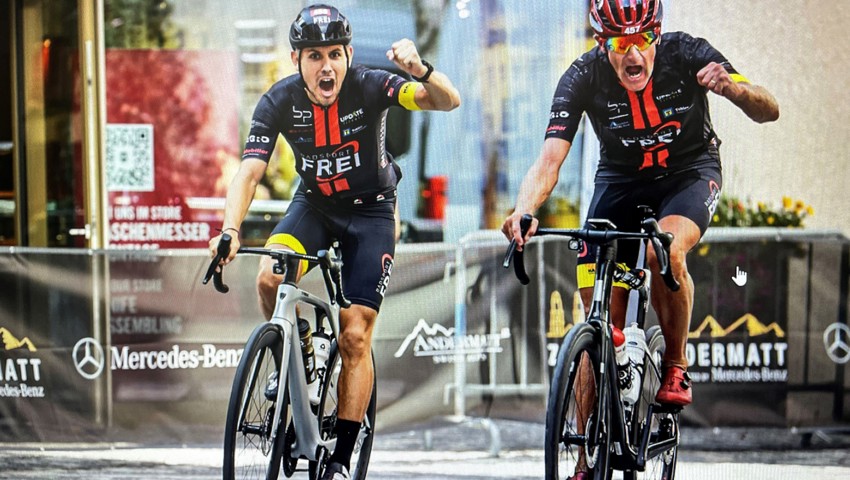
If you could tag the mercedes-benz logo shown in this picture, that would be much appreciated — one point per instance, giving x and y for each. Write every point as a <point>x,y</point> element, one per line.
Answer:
<point>836,339</point>
<point>89,358</point>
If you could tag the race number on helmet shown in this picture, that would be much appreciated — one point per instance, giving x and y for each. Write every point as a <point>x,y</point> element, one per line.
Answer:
<point>612,18</point>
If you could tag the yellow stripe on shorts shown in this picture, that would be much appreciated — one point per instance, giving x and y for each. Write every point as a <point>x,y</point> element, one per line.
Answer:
<point>288,240</point>
<point>407,95</point>
<point>586,275</point>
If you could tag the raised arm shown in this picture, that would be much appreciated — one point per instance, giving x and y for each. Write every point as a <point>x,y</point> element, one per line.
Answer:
<point>435,93</point>
<point>753,100</point>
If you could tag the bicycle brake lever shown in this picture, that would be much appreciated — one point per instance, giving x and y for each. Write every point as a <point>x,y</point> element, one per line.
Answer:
<point>519,263</point>
<point>213,271</point>
<point>662,252</point>
<point>332,273</point>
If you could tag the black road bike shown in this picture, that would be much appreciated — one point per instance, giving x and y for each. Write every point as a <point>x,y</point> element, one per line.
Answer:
<point>586,415</point>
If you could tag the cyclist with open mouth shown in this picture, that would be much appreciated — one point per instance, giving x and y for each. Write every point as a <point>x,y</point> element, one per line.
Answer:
<point>646,96</point>
<point>333,115</point>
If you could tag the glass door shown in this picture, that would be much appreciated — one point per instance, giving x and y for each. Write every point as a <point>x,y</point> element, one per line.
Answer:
<point>55,188</point>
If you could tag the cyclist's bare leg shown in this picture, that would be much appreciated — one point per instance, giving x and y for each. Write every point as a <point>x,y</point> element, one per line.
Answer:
<point>268,281</point>
<point>674,309</point>
<point>355,346</point>
<point>584,402</point>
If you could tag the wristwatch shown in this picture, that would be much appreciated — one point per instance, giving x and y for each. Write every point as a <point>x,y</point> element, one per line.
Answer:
<point>424,78</point>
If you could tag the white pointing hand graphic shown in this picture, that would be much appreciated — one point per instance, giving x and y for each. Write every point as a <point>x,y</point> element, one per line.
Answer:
<point>740,277</point>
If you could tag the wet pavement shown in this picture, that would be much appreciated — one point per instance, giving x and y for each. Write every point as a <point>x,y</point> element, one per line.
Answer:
<point>466,449</point>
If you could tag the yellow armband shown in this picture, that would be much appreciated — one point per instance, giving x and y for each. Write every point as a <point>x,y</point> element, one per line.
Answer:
<point>407,95</point>
<point>738,78</point>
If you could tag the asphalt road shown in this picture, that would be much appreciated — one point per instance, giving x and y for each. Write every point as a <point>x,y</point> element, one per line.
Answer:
<point>463,450</point>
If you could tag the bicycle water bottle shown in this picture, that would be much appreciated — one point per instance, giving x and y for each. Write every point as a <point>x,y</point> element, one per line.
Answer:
<point>306,337</point>
<point>635,348</point>
<point>321,349</point>
<point>624,379</point>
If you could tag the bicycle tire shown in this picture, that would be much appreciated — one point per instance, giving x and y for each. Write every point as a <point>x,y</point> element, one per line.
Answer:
<point>251,451</point>
<point>567,420</point>
<point>663,465</point>
<point>327,415</point>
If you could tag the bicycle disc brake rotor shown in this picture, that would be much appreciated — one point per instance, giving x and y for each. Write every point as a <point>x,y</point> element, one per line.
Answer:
<point>591,444</point>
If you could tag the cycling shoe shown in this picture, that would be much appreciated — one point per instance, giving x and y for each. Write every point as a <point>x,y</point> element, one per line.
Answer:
<point>675,387</point>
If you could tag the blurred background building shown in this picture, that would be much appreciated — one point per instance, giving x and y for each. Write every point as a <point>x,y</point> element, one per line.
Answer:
<point>122,121</point>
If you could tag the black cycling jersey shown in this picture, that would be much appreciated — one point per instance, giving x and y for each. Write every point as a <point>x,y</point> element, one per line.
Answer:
<point>339,150</point>
<point>662,129</point>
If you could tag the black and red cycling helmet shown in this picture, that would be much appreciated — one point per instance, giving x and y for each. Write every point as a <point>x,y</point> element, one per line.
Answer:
<point>614,18</point>
<point>318,26</point>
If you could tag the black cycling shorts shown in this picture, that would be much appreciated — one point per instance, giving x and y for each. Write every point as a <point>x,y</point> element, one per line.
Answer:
<point>366,236</point>
<point>691,193</point>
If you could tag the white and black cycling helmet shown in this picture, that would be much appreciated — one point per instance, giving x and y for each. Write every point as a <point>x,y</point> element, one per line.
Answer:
<point>319,25</point>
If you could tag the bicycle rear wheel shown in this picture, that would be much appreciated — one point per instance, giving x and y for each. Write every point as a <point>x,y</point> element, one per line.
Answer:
<point>577,423</point>
<point>663,425</point>
<point>328,407</point>
<point>251,449</point>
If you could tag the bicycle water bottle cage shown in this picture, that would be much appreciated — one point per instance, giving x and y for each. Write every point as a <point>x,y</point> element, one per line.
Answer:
<point>601,224</point>
<point>635,278</point>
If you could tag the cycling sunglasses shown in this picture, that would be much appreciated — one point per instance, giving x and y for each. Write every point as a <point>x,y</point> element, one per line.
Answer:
<point>623,44</point>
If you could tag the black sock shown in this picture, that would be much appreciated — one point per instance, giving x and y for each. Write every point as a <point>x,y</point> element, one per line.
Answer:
<point>346,437</point>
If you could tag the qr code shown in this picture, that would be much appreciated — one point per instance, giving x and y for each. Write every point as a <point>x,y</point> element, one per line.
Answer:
<point>129,157</point>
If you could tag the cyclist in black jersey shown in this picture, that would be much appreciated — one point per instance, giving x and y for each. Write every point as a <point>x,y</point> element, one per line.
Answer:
<point>333,115</point>
<point>646,96</point>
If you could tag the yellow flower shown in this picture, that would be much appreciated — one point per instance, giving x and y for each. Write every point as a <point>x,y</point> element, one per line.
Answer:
<point>771,220</point>
<point>787,202</point>
<point>810,210</point>
<point>762,206</point>
<point>716,217</point>
<point>799,206</point>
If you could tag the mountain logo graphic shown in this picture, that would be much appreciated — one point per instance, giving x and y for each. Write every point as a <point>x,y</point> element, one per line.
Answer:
<point>422,328</point>
<point>10,342</point>
<point>438,342</point>
<point>753,325</point>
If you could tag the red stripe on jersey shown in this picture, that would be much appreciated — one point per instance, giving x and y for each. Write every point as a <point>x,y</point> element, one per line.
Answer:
<point>647,160</point>
<point>662,157</point>
<point>325,188</point>
<point>649,105</point>
<point>333,123</point>
<point>319,126</point>
<point>637,117</point>
<point>341,185</point>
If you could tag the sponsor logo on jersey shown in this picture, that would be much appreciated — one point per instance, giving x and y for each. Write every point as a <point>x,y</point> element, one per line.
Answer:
<point>353,116</point>
<point>663,135</point>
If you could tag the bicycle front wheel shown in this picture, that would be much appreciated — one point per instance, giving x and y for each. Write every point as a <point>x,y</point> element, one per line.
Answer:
<point>663,425</point>
<point>328,409</point>
<point>577,423</point>
<point>251,449</point>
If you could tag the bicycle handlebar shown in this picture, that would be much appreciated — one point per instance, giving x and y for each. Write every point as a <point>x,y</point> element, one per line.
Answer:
<point>331,267</point>
<point>660,240</point>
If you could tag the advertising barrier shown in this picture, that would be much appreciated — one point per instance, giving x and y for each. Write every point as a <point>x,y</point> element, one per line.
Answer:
<point>128,345</point>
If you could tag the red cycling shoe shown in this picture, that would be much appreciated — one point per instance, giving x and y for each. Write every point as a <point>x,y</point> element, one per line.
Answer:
<point>580,476</point>
<point>675,387</point>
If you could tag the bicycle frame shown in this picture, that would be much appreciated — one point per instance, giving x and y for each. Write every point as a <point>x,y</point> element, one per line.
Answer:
<point>308,442</point>
<point>307,436</point>
<point>603,236</point>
